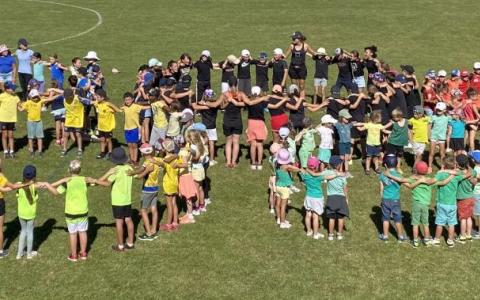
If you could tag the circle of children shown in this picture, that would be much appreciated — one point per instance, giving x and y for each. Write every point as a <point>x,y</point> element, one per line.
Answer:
<point>383,114</point>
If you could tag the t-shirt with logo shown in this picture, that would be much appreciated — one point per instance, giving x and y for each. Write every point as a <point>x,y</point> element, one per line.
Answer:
<point>321,66</point>
<point>261,71</point>
<point>132,116</point>
<point>391,188</point>
<point>227,70</point>
<point>150,183</point>
<point>106,116</point>
<point>243,69</point>
<point>344,67</point>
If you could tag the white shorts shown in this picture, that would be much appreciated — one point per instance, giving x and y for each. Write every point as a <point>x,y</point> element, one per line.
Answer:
<point>212,134</point>
<point>360,81</point>
<point>313,204</point>
<point>157,133</point>
<point>75,227</point>
<point>225,87</point>
<point>320,82</point>
<point>418,148</point>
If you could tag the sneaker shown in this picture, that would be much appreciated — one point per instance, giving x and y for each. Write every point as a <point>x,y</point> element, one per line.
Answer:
<point>383,238</point>
<point>309,233</point>
<point>461,239</point>
<point>285,225</point>
<point>294,189</point>
<point>154,235</point>
<point>3,254</point>
<point>83,256</point>
<point>450,243</point>
<point>318,236</point>
<point>259,167</point>
<point>476,236</point>
<point>403,239</point>
<point>331,236</point>
<point>415,243</point>
<point>469,238</point>
<point>253,167</point>
<point>436,242</point>
<point>129,247</point>
<point>203,209</point>
<point>72,258</point>
<point>350,162</point>
<point>63,153</point>
<point>272,211</point>
<point>212,163</point>
<point>348,175</point>
<point>145,237</point>
<point>79,154</point>
<point>428,241</point>
<point>208,201</point>
<point>32,254</point>
<point>12,155</point>
<point>196,212</point>
<point>19,257</point>
<point>118,248</point>
<point>278,221</point>
<point>101,155</point>
<point>339,237</point>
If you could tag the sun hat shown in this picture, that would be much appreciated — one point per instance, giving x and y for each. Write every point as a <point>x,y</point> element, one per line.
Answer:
<point>476,65</point>
<point>91,55</point>
<point>344,114</point>
<point>293,88</point>
<point>245,52</point>
<point>256,90</point>
<point>33,93</point>
<point>455,73</point>
<point>284,132</point>
<point>119,156</point>
<point>209,93</point>
<point>29,172</point>
<point>146,148</point>
<point>464,73</point>
<point>328,119</point>
<point>10,86</point>
<point>313,162</point>
<point>442,73</point>
<point>187,115</point>
<point>321,51</point>
<point>23,42</point>
<point>421,168</point>
<point>335,161</point>
<point>153,62</point>
<point>206,53</point>
<point>390,161</point>
<point>475,155</point>
<point>3,48</point>
<point>441,106</point>
<point>168,145</point>
<point>275,147</point>
<point>407,68</point>
<point>263,55</point>
<point>199,127</point>
<point>278,51</point>
<point>401,78</point>
<point>233,59</point>
<point>283,156</point>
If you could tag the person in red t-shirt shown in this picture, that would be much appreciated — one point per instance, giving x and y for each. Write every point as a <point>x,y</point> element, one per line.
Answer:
<point>471,113</point>
<point>464,83</point>
<point>428,92</point>
<point>475,77</point>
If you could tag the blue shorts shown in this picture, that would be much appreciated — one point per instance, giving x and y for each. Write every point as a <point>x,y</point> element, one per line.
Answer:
<point>35,130</point>
<point>446,215</point>
<point>324,155</point>
<point>476,210</point>
<point>359,81</point>
<point>391,210</point>
<point>373,151</point>
<point>132,136</point>
<point>344,149</point>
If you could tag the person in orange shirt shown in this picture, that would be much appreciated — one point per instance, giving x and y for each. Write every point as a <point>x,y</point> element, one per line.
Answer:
<point>464,83</point>
<point>454,80</point>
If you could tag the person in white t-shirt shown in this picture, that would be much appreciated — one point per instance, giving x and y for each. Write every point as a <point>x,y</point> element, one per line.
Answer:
<point>325,130</point>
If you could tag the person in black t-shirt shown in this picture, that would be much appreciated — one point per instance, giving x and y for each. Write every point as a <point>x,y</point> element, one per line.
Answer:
<point>298,49</point>
<point>243,74</point>
<point>184,65</point>
<point>320,79</point>
<point>228,67</point>
<point>358,110</point>
<point>280,68</point>
<point>371,62</point>
<point>357,65</point>
<point>297,115</point>
<point>204,65</point>
<point>261,71</point>
<point>345,76</point>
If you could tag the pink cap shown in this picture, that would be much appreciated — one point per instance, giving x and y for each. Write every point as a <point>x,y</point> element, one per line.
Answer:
<point>313,162</point>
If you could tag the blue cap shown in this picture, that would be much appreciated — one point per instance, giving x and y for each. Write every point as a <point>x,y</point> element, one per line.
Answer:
<point>199,127</point>
<point>379,77</point>
<point>455,73</point>
<point>401,78</point>
<point>263,55</point>
<point>475,155</point>
<point>335,160</point>
<point>29,172</point>
<point>390,161</point>
<point>10,85</point>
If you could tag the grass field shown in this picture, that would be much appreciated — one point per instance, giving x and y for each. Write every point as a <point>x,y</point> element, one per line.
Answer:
<point>235,250</point>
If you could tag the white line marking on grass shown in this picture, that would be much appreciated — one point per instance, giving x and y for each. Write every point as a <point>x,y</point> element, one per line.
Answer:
<point>99,22</point>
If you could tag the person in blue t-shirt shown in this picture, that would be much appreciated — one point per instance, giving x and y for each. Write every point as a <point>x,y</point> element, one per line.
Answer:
<point>456,132</point>
<point>8,66</point>
<point>56,70</point>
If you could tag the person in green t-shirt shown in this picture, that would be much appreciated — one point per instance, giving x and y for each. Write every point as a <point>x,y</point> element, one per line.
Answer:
<point>120,180</point>
<point>465,199</point>
<point>76,208</point>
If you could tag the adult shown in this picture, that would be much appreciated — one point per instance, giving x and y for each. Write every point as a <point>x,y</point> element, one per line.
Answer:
<point>413,96</point>
<point>280,68</point>
<point>358,65</point>
<point>243,73</point>
<point>24,57</point>
<point>379,101</point>
<point>8,67</point>
<point>228,67</point>
<point>298,69</point>
<point>371,62</point>
<point>204,66</point>
<point>278,117</point>
<point>184,65</point>
<point>345,76</point>
<point>399,89</point>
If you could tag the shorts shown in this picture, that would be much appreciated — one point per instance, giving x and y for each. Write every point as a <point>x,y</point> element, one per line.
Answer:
<point>283,192</point>
<point>373,151</point>
<point>198,174</point>
<point>73,129</point>
<point>437,140</point>
<point>144,114</point>
<point>337,207</point>
<point>2,207</point>
<point>225,87</point>
<point>446,215</point>
<point>229,130</point>
<point>320,82</point>
<point>297,72</point>
<point>105,134</point>
<point>35,130</point>
<point>157,133</point>
<point>419,213</point>
<point>465,208</point>
<point>359,81</point>
<point>186,186</point>
<point>245,85</point>
<point>8,125</point>
<point>212,134</point>
<point>394,149</point>
<point>77,225</point>
<point>4,77</point>
<point>457,144</point>
<point>344,149</point>
<point>122,212</point>
<point>391,210</point>
<point>324,155</point>
<point>132,136</point>
<point>418,148</point>
<point>149,199</point>
<point>313,204</point>
<point>476,210</point>
<point>256,131</point>
<point>278,121</point>
<point>58,114</point>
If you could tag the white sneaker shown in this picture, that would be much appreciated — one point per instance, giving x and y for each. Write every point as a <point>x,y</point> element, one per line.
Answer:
<point>350,162</point>
<point>285,226</point>
<point>212,163</point>
<point>278,221</point>
<point>294,189</point>
<point>339,237</point>
<point>203,209</point>
<point>449,150</point>
<point>196,212</point>
<point>259,167</point>
<point>318,236</point>
<point>208,201</point>
<point>272,211</point>
<point>32,254</point>
<point>309,233</point>
<point>253,167</point>
<point>330,237</point>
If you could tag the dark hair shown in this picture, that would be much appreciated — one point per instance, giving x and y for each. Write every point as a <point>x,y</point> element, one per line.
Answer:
<point>128,95</point>
<point>372,49</point>
<point>170,63</point>
<point>72,80</point>
<point>355,53</point>
<point>37,55</point>
<point>185,55</point>
<point>471,92</point>
<point>143,67</point>
<point>449,162</point>
<point>75,59</point>
<point>54,55</point>
<point>175,106</point>
<point>28,191</point>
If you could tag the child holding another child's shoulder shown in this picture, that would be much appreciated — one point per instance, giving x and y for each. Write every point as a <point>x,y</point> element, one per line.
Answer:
<point>308,141</point>
<point>418,132</point>
<point>438,128</point>
<point>344,127</point>
<point>398,137</point>
<point>325,130</point>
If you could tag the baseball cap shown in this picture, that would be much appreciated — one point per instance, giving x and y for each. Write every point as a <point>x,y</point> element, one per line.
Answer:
<point>256,90</point>
<point>475,155</point>
<point>313,162</point>
<point>335,160</point>
<point>408,68</point>
<point>442,73</point>
<point>338,51</point>
<point>278,51</point>
<point>284,132</point>
<point>328,119</point>
<point>29,172</point>
<point>33,93</point>
<point>297,35</point>
<point>245,52</point>
<point>206,53</point>
<point>476,65</point>
<point>455,73</point>
<point>153,62</point>
<point>321,51</point>
<point>263,55</point>
<point>462,160</point>
<point>293,88</point>
<point>199,127</point>
<point>146,148</point>
<point>10,85</point>
<point>187,115</point>
<point>390,161</point>
<point>464,73</point>
<point>441,106</point>
<point>401,78</point>
<point>344,114</point>
<point>421,168</point>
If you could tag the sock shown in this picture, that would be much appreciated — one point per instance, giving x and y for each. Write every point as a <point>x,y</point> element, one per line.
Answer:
<point>5,151</point>
<point>11,150</point>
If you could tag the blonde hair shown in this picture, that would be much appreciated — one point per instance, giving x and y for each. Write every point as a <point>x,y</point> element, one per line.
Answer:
<point>397,113</point>
<point>75,167</point>
<point>197,141</point>
<point>376,117</point>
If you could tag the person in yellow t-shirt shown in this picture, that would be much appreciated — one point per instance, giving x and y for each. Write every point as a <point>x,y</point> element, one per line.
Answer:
<point>74,116</point>
<point>160,121</point>
<point>132,124</point>
<point>106,122</point>
<point>418,132</point>
<point>9,104</point>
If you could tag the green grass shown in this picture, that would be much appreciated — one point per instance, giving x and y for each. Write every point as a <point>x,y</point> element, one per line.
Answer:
<point>235,250</point>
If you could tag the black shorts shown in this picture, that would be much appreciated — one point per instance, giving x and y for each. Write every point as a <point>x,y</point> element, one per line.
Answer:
<point>2,207</point>
<point>8,125</point>
<point>337,207</point>
<point>59,118</point>
<point>457,144</point>
<point>105,134</point>
<point>297,72</point>
<point>394,149</point>
<point>73,129</point>
<point>122,212</point>
<point>357,134</point>
<point>229,129</point>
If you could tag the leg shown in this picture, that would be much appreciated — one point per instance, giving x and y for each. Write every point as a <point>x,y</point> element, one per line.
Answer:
<point>23,237</point>
<point>283,210</point>
<point>442,154</point>
<point>109,145</point>
<point>30,145</point>
<point>341,221</point>
<point>426,232</point>
<point>79,139</point>
<point>308,221</point>
<point>40,145</point>
<point>11,144</point>
<point>399,228</point>
<point>451,232</point>
<point>5,140</point>
<point>146,220</point>
<point>211,149</point>
<point>228,149</point>
<point>463,226</point>
<point>102,144</point>
<point>468,230</point>
<point>315,94</point>
<point>169,210</point>
<point>367,163</point>
<point>83,241</point>
<point>130,230</point>
<point>386,227</point>
<point>73,244</point>
<point>431,154</point>
<point>259,152</point>
<point>135,152</point>
<point>236,148</point>
<point>315,223</point>
<point>439,230</point>
<point>30,226</point>
<point>253,156</point>
<point>415,232</point>
<point>324,93</point>
<point>153,228</point>
<point>331,225</point>
<point>119,231</point>
<point>2,219</point>
<point>174,211</point>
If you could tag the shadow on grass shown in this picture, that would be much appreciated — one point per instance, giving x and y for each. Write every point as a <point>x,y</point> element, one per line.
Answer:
<point>376,216</point>
<point>41,233</point>
<point>11,233</point>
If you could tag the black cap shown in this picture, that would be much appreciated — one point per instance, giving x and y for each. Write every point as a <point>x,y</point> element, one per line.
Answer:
<point>408,68</point>
<point>29,172</point>
<point>95,68</point>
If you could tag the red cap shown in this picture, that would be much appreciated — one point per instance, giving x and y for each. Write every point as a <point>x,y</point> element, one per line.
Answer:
<point>421,168</point>
<point>464,73</point>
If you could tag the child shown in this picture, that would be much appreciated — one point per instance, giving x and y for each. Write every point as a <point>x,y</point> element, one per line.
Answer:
<point>56,70</point>
<point>74,117</point>
<point>337,198</point>
<point>456,133</point>
<point>326,140</point>
<point>320,79</point>
<point>9,103</point>
<point>374,148</point>
<point>121,195</point>
<point>418,132</point>
<point>132,125</point>
<point>438,127</point>
<point>475,155</point>
<point>58,112</point>
<point>106,122</point>
<point>287,138</point>
<point>344,144</point>
<point>173,128</point>
<point>272,160</point>
<point>390,205</point>
<point>76,208</point>
<point>471,113</point>
<point>149,173</point>
<point>186,185</point>
<point>160,121</point>
<point>308,141</point>
<point>465,200</point>
<point>199,155</point>
<point>38,68</point>
<point>398,137</point>
<point>282,184</point>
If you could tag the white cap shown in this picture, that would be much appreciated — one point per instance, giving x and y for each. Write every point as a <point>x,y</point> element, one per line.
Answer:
<point>338,51</point>
<point>33,93</point>
<point>328,119</point>
<point>284,132</point>
<point>321,51</point>
<point>278,51</point>
<point>206,53</point>
<point>245,52</point>
<point>442,73</point>
<point>153,62</point>
<point>256,90</point>
<point>476,65</point>
<point>91,55</point>
<point>441,106</point>
<point>292,88</point>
